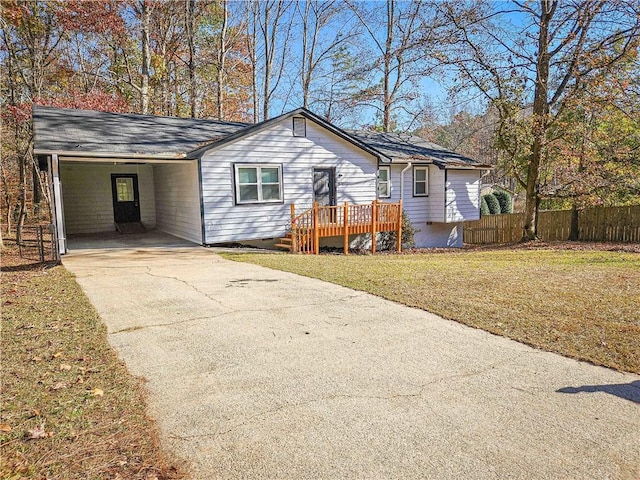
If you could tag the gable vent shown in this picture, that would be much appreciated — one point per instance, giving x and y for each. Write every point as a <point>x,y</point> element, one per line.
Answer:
<point>299,127</point>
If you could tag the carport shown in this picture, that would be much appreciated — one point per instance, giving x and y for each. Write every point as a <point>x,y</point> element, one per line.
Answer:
<point>122,172</point>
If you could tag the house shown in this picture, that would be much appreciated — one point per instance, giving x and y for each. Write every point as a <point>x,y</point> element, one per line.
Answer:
<point>215,182</point>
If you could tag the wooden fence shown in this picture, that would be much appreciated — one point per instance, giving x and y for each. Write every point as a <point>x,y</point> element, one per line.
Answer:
<point>597,224</point>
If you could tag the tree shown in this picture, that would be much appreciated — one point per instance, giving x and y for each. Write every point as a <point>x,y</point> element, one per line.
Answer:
<point>528,61</point>
<point>402,41</point>
<point>320,39</point>
<point>30,37</point>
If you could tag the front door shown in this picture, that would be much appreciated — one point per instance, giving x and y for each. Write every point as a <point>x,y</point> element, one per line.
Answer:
<point>126,200</point>
<point>324,186</point>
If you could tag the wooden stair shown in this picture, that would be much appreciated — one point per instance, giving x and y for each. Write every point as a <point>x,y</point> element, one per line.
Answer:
<point>286,242</point>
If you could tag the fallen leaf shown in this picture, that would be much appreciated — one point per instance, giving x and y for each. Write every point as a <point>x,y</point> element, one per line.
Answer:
<point>36,359</point>
<point>35,412</point>
<point>59,385</point>
<point>38,432</point>
<point>4,427</point>
<point>96,392</point>
<point>57,354</point>
<point>64,366</point>
<point>79,380</point>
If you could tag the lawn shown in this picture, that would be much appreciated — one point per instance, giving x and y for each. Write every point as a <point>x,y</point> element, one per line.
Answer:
<point>583,304</point>
<point>70,409</point>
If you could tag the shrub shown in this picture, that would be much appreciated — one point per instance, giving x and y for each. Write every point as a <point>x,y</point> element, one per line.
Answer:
<point>387,240</point>
<point>484,208</point>
<point>505,201</point>
<point>492,203</point>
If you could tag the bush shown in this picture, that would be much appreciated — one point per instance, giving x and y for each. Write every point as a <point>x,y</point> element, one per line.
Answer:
<point>492,203</point>
<point>484,208</point>
<point>387,240</point>
<point>505,201</point>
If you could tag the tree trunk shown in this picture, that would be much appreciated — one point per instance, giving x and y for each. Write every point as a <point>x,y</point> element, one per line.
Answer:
<point>146,55</point>
<point>22,212</point>
<point>190,27</point>
<point>386,103</point>
<point>574,232</point>
<point>222,56</point>
<point>540,112</point>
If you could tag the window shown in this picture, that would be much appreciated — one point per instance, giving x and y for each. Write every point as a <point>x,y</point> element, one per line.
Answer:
<point>384,182</point>
<point>299,127</point>
<point>420,181</point>
<point>258,183</point>
<point>124,189</point>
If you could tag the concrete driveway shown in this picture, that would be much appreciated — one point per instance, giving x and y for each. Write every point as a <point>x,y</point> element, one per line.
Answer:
<point>255,373</point>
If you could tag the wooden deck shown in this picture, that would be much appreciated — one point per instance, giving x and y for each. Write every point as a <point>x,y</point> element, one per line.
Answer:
<point>308,227</point>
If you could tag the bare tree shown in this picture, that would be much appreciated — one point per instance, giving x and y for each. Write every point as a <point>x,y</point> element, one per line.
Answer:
<point>321,34</point>
<point>399,54</point>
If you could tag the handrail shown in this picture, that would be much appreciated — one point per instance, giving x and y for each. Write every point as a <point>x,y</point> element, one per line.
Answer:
<point>332,220</point>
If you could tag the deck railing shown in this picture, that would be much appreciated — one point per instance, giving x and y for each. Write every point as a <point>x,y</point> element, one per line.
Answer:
<point>332,221</point>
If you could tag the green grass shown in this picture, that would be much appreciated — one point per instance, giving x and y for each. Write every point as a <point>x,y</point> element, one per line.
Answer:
<point>582,304</point>
<point>60,374</point>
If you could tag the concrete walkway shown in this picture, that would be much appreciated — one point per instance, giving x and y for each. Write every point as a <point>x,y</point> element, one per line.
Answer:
<point>255,373</point>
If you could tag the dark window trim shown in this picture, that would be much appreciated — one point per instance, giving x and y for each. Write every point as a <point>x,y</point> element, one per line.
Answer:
<point>293,126</point>
<point>234,171</point>
<point>388,169</point>
<point>426,187</point>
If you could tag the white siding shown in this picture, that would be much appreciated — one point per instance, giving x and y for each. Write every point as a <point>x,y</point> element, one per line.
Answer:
<point>463,195</point>
<point>88,203</point>
<point>419,209</point>
<point>439,235</point>
<point>226,222</point>
<point>178,200</point>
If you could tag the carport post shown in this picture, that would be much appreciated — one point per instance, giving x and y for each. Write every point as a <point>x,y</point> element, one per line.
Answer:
<point>57,214</point>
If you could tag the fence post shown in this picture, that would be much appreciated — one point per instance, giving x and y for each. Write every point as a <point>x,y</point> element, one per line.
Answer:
<point>400,226</point>
<point>41,243</point>
<point>345,227</point>
<point>374,219</point>
<point>316,230</point>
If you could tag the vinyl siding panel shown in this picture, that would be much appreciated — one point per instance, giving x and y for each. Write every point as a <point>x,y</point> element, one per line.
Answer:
<point>419,209</point>
<point>227,222</point>
<point>88,202</point>
<point>178,200</point>
<point>463,195</point>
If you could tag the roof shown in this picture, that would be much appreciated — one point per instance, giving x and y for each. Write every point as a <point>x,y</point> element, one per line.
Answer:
<point>91,133</point>
<point>303,112</point>
<point>68,130</point>
<point>404,148</point>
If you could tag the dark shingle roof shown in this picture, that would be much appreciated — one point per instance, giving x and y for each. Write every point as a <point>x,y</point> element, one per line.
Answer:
<point>91,132</point>
<point>404,147</point>
<point>69,130</point>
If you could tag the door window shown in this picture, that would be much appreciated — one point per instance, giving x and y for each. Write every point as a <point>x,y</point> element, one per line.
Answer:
<point>124,189</point>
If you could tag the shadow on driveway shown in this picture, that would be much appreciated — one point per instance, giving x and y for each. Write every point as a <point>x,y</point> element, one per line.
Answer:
<point>628,391</point>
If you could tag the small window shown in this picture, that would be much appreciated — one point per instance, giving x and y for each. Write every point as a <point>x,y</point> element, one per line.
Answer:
<point>258,183</point>
<point>299,127</point>
<point>384,182</point>
<point>420,181</point>
<point>124,189</point>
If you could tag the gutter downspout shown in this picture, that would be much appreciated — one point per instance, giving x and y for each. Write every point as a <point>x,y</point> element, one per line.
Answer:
<point>409,165</point>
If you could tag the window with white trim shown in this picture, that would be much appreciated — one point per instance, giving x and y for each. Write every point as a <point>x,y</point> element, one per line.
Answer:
<point>420,181</point>
<point>384,182</point>
<point>258,183</point>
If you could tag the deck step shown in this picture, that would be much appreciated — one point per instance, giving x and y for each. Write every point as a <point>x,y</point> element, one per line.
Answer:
<point>286,242</point>
<point>283,245</point>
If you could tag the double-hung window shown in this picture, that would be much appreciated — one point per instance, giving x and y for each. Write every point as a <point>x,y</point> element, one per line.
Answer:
<point>258,183</point>
<point>384,182</point>
<point>420,181</point>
